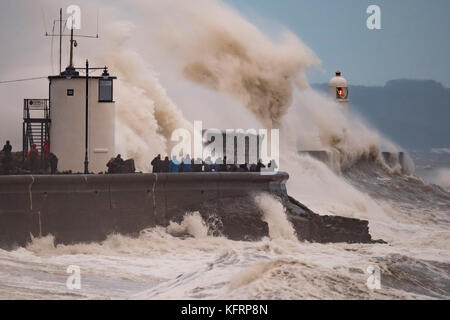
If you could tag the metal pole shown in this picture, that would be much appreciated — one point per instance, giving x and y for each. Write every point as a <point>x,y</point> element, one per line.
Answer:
<point>86,161</point>
<point>71,48</point>
<point>23,141</point>
<point>60,39</point>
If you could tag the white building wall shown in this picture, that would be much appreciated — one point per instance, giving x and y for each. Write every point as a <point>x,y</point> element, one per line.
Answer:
<point>67,132</point>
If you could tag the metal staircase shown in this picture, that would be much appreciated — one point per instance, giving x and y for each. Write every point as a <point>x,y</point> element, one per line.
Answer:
<point>36,124</point>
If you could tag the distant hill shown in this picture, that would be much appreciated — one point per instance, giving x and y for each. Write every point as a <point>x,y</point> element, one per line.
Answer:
<point>413,113</point>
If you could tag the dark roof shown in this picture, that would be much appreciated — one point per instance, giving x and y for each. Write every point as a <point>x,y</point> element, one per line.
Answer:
<point>80,77</point>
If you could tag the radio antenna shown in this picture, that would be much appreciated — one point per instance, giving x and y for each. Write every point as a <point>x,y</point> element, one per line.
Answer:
<point>73,43</point>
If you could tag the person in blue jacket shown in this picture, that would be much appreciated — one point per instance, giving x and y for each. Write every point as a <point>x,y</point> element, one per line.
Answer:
<point>174,165</point>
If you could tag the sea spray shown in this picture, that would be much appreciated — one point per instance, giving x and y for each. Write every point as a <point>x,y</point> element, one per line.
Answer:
<point>222,51</point>
<point>192,224</point>
<point>442,178</point>
<point>254,272</point>
<point>275,217</point>
<point>146,116</point>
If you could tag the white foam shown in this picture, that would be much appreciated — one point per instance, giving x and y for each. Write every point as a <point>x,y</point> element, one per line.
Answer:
<point>275,216</point>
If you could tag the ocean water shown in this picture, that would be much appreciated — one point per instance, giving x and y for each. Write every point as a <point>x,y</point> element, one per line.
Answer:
<point>415,264</point>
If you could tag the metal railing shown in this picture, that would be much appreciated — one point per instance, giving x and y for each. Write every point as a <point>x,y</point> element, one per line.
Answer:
<point>36,124</point>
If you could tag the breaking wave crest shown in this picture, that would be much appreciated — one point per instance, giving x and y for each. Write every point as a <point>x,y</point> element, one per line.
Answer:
<point>275,216</point>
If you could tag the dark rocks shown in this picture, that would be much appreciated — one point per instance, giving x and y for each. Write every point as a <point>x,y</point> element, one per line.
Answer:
<point>325,229</point>
<point>242,219</point>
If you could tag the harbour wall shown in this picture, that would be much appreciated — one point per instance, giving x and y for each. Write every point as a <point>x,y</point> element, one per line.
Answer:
<point>88,208</point>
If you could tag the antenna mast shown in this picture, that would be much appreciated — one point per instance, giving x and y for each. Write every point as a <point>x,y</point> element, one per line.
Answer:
<point>73,43</point>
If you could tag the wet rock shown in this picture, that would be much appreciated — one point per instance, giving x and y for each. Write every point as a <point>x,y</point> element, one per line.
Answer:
<point>242,219</point>
<point>313,227</point>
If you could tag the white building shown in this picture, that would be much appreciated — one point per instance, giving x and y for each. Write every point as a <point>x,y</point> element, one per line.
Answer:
<point>338,89</point>
<point>68,120</point>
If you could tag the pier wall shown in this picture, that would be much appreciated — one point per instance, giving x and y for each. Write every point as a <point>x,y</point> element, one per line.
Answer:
<point>87,208</point>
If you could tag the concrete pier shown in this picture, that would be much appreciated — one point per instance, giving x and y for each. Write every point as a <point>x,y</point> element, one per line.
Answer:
<point>86,208</point>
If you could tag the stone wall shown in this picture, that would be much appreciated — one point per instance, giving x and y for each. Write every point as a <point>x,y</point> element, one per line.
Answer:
<point>87,208</point>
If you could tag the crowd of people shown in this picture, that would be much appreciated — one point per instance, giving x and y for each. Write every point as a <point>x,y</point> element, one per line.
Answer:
<point>35,161</point>
<point>44,161</point>
<point>207,165</point>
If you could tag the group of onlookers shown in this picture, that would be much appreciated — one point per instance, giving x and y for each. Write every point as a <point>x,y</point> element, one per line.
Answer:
<point>35,161</point>
<point>190,165</point>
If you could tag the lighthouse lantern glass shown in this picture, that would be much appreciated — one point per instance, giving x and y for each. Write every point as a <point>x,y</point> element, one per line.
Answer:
<point>341,93</point>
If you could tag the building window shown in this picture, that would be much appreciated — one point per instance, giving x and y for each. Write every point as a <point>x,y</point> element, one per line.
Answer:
<point>70,92</point>
<point>105,90</point>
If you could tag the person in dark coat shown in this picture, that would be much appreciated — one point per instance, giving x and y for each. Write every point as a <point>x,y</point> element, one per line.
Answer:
<point>117,164</point>
<point>165,165</point>
<point>156,164</point>
<point>197,165</point>
<point>243,168</point>
<point>273,166</point>
<point>187,164</point>
<point>223,166</point>
<point>118,161</point>
<point>53,163</point>
<point>208,165</point>
<point>259,166</point>
<point>218,165</point>
<point>7,158</point>
<point>181,166</point>
<point>7,148</point>
<point>7,164</point>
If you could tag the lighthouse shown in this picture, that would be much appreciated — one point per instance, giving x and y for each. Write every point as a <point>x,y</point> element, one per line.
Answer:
<point>338,89</point>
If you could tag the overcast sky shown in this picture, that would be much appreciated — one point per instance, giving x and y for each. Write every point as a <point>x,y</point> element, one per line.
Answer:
<point>414,41</point>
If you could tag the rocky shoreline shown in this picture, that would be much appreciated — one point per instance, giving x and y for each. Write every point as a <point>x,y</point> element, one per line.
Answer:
<point>242,219</point>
